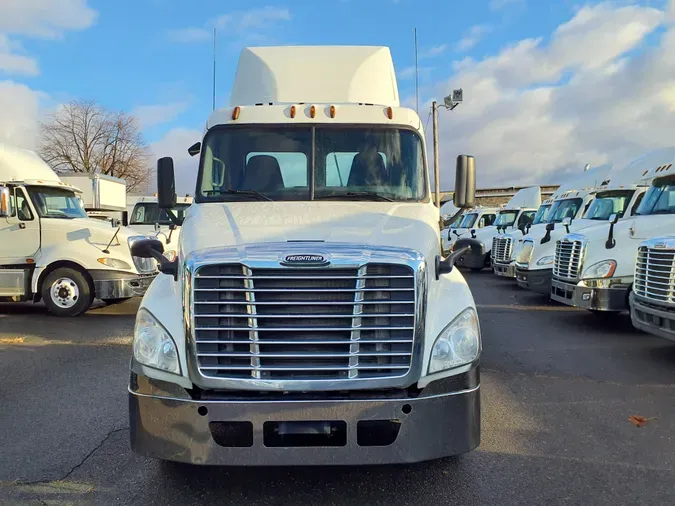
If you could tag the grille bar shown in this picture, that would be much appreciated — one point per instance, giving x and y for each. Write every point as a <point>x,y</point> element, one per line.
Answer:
<point>655,275</point>
<point>567,259</point>
<point>501,249</point>
<point>295,323</point>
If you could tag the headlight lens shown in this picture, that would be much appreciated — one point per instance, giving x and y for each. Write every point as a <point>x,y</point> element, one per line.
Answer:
<point>603,269</point>
<point>153,346</point>
<point>545,260</point>
<point>458,344</point>
<point>114,263</point>
<point>170,254</point>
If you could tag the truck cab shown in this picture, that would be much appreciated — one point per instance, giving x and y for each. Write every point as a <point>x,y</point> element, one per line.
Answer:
<point>594,268</point>
<point>50,250</point>
<point>309,317</point>
<point>476,218</point>
<point>516,214</point>
<point>147,218</point>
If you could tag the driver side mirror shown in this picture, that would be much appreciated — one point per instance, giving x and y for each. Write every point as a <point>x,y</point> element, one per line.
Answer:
<point>613,218</point>
<point>5,197</point>
<point>465,182</point>
<point>166,183</point>
<point>550,226</point>
<point>195,149</point>
<point>567,221</point>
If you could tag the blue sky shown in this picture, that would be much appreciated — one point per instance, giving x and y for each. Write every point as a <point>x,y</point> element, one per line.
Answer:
<point>512,57</point>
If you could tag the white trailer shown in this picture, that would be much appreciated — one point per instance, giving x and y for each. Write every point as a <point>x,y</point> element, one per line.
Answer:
<point>51,250</point>
<point>310,316</point>
<point>594,268</point>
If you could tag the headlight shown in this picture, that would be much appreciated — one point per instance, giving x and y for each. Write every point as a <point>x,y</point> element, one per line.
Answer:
<point>545,260</point>
<point>153,346</point>
<point>603,269</point>
<point>170,254</point>
<point>114,263</point>
<point>458,344</point>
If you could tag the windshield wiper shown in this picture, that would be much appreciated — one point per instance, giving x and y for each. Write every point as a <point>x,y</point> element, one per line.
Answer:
<point>245,193</point>
<point>355,195</point>
<point>662,211</point>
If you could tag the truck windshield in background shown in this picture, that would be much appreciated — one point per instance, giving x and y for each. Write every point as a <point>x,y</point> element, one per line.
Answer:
<point>660,198</point>
<point>469,220</point>
<point>54,203</point>
<point>567,208</point>
<point>506,218</point>
<point>609,203</point>
<point>304,163</point>
<point>149,213</point>
<point>542,214</point>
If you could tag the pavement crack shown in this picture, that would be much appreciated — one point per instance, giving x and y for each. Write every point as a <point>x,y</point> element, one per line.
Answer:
<point>72,469</point>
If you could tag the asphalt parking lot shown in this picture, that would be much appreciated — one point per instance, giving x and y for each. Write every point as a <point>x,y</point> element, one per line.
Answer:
<point>558,387</point>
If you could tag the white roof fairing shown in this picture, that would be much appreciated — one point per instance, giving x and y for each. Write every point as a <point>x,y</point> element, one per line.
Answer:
<point>315,74</point>
<point>18,164</point>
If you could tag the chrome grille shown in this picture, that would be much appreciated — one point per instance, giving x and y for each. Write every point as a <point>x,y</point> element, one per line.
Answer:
<point>525,253</point>
<point>567,260</point>
<point>501,249</point>
<point>304,323</point>
<point>655,274</point>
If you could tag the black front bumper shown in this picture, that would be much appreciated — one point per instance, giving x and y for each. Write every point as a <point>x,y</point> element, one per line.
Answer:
<point>658,320</point>
<point>537,281</point>
<point>593,299</point>
<point>222,429</point>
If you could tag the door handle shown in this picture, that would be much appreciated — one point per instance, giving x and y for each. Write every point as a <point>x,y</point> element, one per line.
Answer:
<point>22,226</point>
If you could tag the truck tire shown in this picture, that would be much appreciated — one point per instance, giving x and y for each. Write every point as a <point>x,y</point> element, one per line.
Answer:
<point>66,292</point>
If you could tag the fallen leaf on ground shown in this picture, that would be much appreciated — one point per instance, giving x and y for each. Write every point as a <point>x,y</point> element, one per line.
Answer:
<point>639,421</point>
<point>12,340</point>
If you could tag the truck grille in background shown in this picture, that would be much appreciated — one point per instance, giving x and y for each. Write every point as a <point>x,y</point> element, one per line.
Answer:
<point>501,249</point>
<point>655,274</point>
<point>304,323</point>
<point>567,260</point>
<point>525,253</point>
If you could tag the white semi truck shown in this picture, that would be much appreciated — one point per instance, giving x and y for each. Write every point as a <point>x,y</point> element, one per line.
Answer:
<point>147,218</point>
<point>475,218</point>
<point>534,255</point>
<point>50,250</point>
<point>516,214</point>
<point>652,300</point>
<point>310,317</point>
<point>593,268</point>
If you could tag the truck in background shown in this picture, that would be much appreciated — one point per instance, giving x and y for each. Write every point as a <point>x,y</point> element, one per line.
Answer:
<point>50,250</point>
<point>309,317</point>
<point>475,218</point>
<point>652,300</point>
<point>516,214</point>
<point>147,218</point>
<point>594,267</point>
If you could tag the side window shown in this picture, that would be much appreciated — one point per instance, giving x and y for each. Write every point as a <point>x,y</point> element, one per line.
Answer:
<point>293,167</point>
<point>637,203</point>
<point>526,217</point>
<point>486,220</point>
<point>22,207</point>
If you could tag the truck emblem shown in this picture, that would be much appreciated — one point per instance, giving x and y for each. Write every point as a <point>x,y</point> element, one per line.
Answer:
<point>660,245</point>
<point>305,259</point>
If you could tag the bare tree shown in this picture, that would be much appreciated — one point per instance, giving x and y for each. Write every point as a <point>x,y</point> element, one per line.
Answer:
<point>82,136</point>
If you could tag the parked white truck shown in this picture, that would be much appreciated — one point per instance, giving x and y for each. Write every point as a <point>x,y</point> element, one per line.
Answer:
<point>594,267</point>
<point>147,218</point>
<point>475,218</point>
<point>309,317</point>
<point>516,214</point>
<point>534,255</point>
<point>652,300</point>
<point>51,250</point>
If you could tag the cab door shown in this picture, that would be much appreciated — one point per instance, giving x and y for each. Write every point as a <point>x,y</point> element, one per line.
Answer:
<point>20,231</point>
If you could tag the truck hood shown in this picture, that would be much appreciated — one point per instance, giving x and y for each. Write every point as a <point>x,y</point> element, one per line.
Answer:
<point>235,224</point>
<point>96,232</point>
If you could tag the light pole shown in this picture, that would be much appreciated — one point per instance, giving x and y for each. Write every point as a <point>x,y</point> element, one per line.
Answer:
<point>449,102</point>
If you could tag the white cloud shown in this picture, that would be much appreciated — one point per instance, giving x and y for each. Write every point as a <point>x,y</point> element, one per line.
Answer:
<point>496,5</point>
<point>434,51</point>
<point>21,112</point>
<point>45,18</point>
<point>536,112</point>
<point>187,35</point>
<point>472,37</point>
<point>13,63</point>
<point>151,115</point>
<point>175,144</point>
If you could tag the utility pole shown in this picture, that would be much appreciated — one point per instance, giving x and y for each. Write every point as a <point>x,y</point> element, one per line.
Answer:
<point>214,69</point>
<point>437,156</point>
<point>417,79</point>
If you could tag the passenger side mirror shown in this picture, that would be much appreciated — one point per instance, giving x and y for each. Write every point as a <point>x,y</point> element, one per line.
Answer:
<point>550,226</point>
<point>166,183</point>
<point>613,218</point>
<point>567,221</point>
<point>195,149</point>
<point>125,218</point>
<point>5,197</point>
<point>153,248</point>
<point>465,182</point>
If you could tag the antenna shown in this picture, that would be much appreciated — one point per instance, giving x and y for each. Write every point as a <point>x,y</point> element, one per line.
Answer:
<point>214,69</point>
<point>417,79</point>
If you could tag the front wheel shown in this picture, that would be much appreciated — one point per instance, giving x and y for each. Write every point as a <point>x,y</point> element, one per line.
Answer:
<point>66,292</point>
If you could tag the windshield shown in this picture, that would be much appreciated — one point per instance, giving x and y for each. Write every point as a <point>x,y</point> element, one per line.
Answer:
<point>303,163</point>
<point>541,215</point>
<point>609,203</point>
<point>660,198</point>
<point>469,220</point>
<point>149,213</point>
<point>455,221</point>
<point>56,202</point>
<point>567,208</point>
<point>506,218</point>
